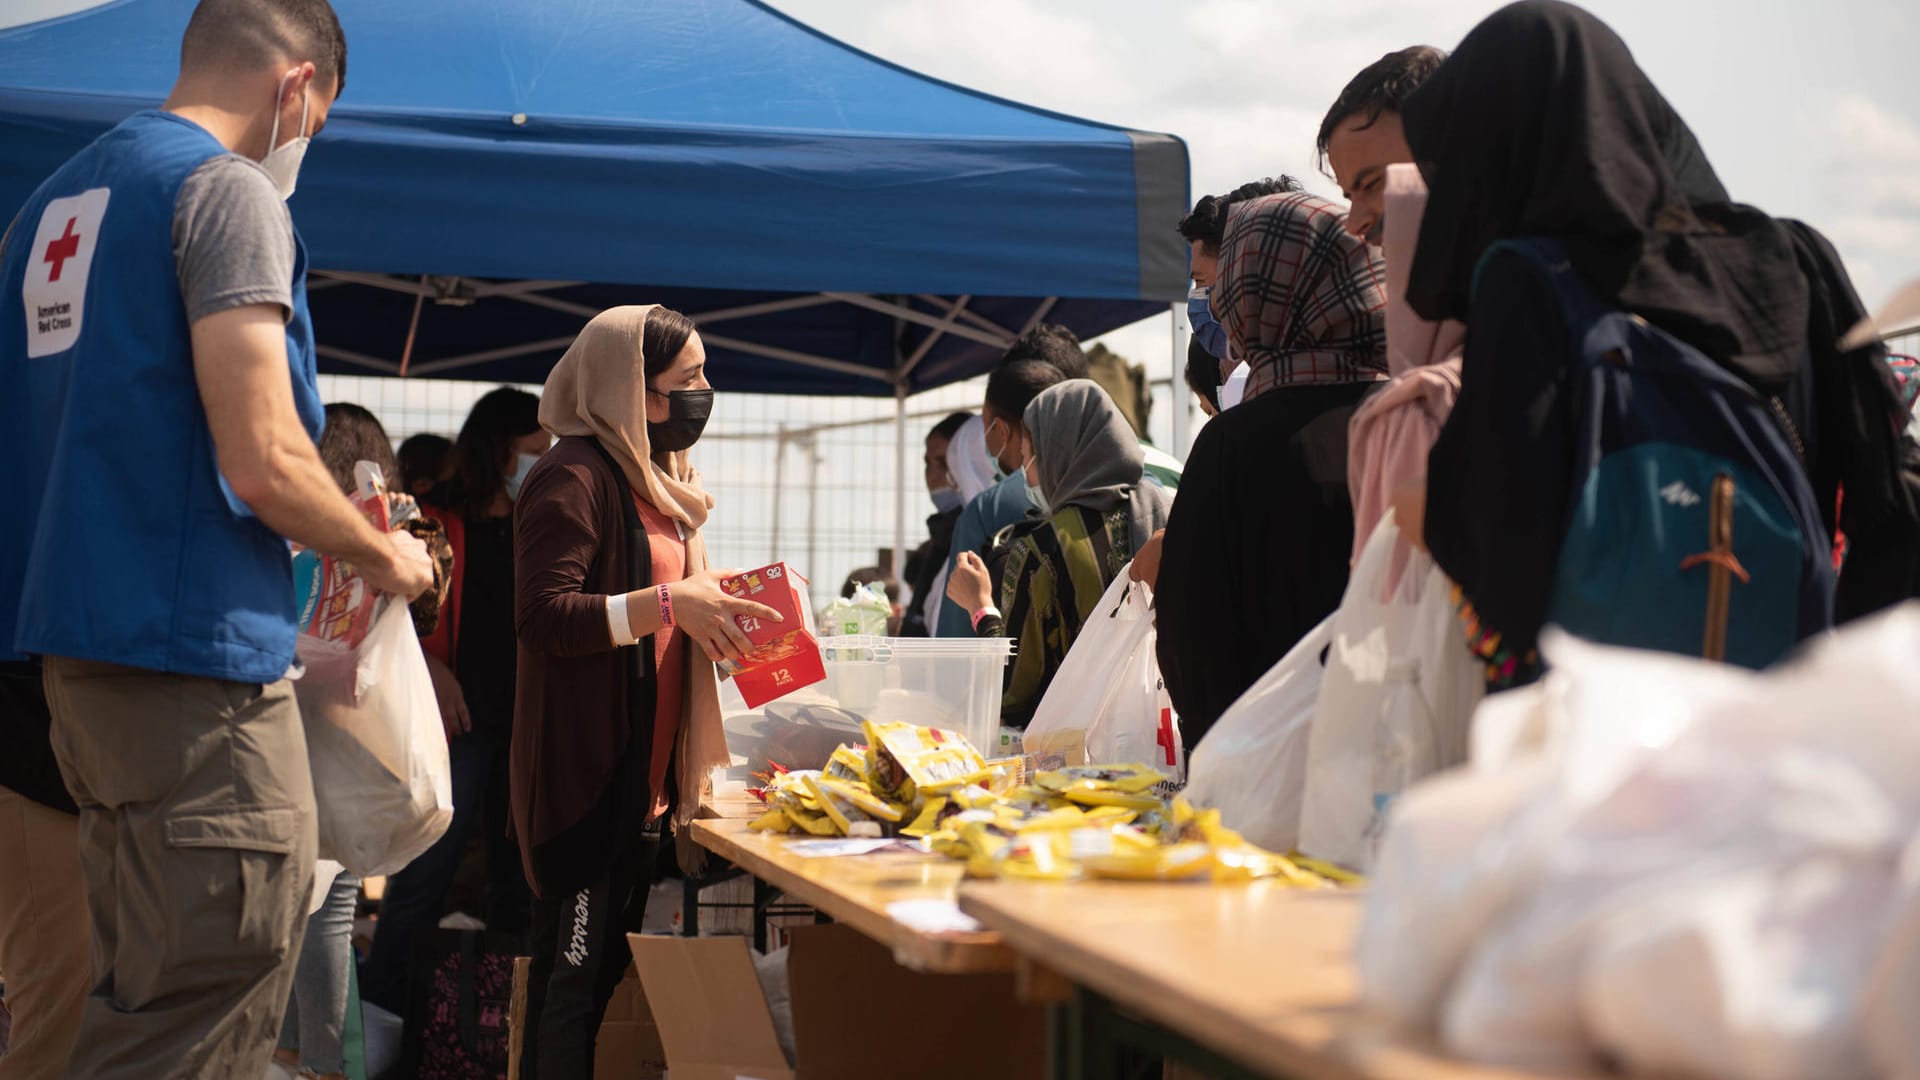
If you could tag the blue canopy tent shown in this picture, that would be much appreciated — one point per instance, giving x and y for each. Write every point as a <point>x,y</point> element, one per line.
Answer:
<point>497,171</point>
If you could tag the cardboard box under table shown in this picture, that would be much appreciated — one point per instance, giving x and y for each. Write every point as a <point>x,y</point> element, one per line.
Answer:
<point>856,1014</point>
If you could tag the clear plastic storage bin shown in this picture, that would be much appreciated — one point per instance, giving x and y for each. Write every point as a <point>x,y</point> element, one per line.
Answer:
<point>951,683</point>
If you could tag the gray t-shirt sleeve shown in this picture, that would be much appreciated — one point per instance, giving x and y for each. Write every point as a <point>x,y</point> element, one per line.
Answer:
<point>232,239</point>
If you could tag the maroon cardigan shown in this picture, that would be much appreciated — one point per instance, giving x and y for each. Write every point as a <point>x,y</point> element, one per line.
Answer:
<point>583,710</point>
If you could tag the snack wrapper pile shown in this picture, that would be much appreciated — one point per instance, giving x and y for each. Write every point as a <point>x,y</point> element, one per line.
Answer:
<point>1084,821</point>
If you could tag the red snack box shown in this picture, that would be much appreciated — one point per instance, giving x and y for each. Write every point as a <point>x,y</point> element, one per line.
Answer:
<point>786,655</point>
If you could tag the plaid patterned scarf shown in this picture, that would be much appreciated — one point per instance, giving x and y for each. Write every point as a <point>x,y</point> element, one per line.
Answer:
<point>1302,301</point>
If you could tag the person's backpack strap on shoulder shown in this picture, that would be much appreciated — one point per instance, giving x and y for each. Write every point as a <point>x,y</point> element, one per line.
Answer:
<point>1693,528</point>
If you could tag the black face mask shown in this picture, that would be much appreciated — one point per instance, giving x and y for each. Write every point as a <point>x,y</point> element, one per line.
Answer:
<point>687,412</point>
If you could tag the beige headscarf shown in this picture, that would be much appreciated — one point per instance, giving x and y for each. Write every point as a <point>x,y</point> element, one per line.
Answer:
<point>599,390</point>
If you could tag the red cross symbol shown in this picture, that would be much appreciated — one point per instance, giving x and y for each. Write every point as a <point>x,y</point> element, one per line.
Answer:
<point>1165,737</point>
<point>59,251</point>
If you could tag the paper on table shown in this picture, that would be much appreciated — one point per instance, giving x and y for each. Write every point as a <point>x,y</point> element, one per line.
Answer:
<point>833,847</point>
<point>933,917</point>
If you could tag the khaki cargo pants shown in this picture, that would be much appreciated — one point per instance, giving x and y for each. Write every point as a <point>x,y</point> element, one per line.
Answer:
<point>197,846</point>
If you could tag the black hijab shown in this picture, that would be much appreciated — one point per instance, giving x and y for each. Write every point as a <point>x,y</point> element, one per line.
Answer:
<point>1541,124</point>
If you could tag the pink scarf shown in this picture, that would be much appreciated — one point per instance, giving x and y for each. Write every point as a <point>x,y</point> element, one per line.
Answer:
<point>1391,432</point>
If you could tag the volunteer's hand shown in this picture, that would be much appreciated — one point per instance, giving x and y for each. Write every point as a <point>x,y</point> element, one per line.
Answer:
<point>1146,562</point>
<point>969,585</point>
<point>707,614</point>
<point>408,569</point>
<point>1410,512</point>
<point>453,701</point>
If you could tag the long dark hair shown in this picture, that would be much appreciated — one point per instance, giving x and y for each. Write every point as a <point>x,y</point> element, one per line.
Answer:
<point>485,445</point>
<point>665,335</point>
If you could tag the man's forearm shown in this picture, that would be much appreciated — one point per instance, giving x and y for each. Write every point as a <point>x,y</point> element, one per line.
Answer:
<point>295,496</point>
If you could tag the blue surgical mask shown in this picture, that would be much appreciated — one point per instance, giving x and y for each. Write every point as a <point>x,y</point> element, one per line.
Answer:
<point>947,499</point>
<point>1034,497</point>
<point>521,468</point>
<point>1213,336</point>
<point>999,473</point>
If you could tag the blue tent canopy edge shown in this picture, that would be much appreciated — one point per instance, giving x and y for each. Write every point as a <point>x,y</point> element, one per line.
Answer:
<point>497,171</point>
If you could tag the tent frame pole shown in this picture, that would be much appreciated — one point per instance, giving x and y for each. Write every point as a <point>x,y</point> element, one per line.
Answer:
<point>1182,402</point>
<point>900,484</point>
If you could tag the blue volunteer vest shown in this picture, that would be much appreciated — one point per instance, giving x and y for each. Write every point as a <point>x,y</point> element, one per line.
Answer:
<point>129,548</point>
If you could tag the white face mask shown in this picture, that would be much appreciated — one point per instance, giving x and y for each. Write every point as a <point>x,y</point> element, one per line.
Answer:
<point>283,162</point>
<point>1034,498</point>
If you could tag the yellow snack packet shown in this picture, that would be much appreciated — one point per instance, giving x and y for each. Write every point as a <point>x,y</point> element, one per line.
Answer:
<point>774,820</point>
<point>1339,875</point>
<point>814,824</point>
<point>1175,862</point>
<point>847,764</point>
<point>904,759</point>
<point>927,820</point>
<point>1088,795</point>
<point>1127,778</point>
<point>1248,863</point>
<point>873,805</point>
<point>839,809</point>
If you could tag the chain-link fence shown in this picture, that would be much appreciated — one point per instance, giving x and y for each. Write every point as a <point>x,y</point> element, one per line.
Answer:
<point>808,480</point>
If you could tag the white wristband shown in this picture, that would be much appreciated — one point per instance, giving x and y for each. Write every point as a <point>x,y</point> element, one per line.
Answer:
<point>617,623</point>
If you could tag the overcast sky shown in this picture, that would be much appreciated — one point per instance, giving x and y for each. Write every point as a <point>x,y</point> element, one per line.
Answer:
<point>1807,110</point>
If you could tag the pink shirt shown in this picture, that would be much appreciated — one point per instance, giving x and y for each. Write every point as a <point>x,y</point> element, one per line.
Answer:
<point>669,649</point>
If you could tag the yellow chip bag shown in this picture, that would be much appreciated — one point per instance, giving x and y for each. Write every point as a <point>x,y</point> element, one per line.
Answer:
<point>928,819</point>
<point>775,820</point>
<point>873,805</point>
<point>1127,778</point>
<point>905,759</point>
<point>1176,862</point>
<point>1088,795</point>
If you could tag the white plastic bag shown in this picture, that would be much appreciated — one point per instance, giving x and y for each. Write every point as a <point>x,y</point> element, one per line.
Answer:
<point>1677,866</point>
<point>1252,765</point>
<point>1395,702</point>
<point>1464,851</point>
<point>377,747</point>
<point>1106,704</point>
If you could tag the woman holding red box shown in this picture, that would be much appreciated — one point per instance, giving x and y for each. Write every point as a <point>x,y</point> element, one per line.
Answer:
<point>617,721</point>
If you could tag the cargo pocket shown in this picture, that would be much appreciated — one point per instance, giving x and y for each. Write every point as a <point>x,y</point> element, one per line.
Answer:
<point>232,886</point>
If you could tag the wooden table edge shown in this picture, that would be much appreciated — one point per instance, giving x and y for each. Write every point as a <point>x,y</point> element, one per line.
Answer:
<point>942,954</point>
<point>1226,1034</point>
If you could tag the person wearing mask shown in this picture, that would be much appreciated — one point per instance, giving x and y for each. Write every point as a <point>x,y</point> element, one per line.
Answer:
<point>927,564</point>
<point>1658,236</point>
<point>471,658</point>
<point>1010,389</point>
<point>312,1038</point>
<point>1094,510</point>
<point>424,462</point>
<point>617,720</point>
<point>973,471</point>
<point>1257,549</point>
<point>151,574</point>
<point>1202,230</point>
<point>1006,503</point>
<point>1362,133</point>
<point>1203,377</point>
